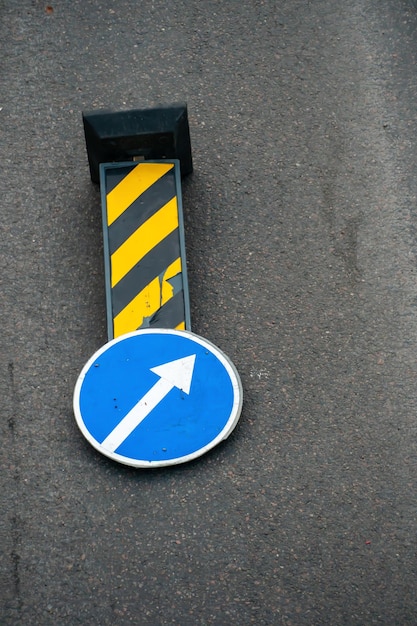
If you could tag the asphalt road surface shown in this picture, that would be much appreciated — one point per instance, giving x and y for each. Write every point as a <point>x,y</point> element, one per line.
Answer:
<point>301,231</point>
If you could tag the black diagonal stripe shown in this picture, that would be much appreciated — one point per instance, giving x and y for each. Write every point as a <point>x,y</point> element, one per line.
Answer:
<point>170,314</point>
<point>141,209</point>
<point>115,175</point>
<point>148,268</point>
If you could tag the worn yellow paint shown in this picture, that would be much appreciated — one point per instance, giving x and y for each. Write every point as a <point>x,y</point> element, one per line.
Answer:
<point>167,290</point>
<point>152,232</point>
<point>147,302</point>
<point>132,186</point>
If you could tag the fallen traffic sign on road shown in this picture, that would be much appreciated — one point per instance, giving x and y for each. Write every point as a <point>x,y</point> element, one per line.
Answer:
<point>156,394</point>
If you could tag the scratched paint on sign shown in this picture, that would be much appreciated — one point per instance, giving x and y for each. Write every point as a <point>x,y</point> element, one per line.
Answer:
<point>140,310</point>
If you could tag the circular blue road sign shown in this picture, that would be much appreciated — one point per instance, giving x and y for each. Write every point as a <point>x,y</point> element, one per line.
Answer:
<point>157,397</point>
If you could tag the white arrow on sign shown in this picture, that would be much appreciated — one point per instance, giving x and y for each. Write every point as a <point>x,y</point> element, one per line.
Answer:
<point>176,373</point>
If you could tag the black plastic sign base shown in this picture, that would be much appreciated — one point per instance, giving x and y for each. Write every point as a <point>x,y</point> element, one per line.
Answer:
<point>157,133</point>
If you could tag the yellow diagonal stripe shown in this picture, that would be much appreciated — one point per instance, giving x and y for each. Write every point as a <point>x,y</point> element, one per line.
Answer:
<point>146,302</point>
<point>154,230</point>
<point>132,186</point>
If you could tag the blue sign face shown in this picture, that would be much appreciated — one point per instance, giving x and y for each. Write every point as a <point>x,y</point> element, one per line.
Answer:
<point>157,397</point>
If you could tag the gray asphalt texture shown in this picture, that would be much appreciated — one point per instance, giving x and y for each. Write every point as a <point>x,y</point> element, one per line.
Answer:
<point>301,232</point>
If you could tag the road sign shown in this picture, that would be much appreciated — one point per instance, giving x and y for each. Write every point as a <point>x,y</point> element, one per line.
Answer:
<point>144,249</point>
<point>156,394</point>
<point>157,397</point>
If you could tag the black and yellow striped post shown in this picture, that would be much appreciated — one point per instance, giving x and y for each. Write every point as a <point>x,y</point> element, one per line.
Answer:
<point>139,157</point>
<point>144,249</point>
